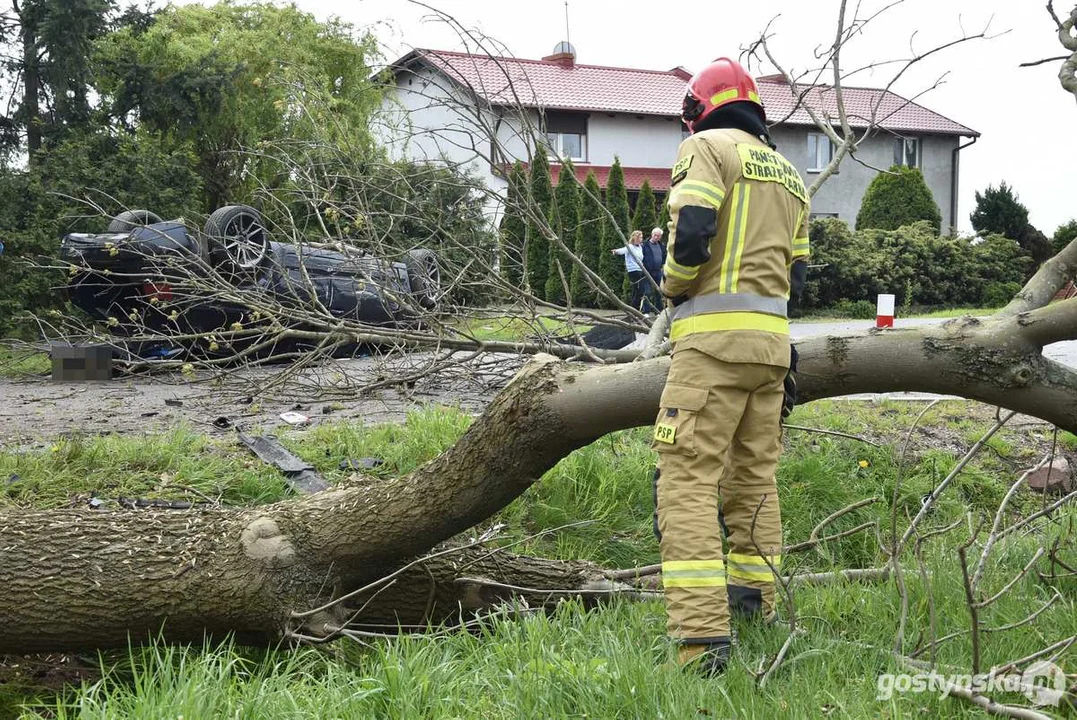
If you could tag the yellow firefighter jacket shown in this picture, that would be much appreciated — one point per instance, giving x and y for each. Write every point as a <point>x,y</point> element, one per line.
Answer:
<point>739,218</point>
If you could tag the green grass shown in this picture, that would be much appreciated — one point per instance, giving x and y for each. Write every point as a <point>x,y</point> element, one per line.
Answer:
<point>823,317</point>
<point>510,328</point>
<point>19,363</point>
<point>612,662</point>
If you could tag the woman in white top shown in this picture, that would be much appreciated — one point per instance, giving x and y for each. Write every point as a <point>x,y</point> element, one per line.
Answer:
<point>633,255</point>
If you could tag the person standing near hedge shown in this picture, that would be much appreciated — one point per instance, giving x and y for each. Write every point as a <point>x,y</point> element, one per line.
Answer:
<point>633,255</point>
<point>654,257</point>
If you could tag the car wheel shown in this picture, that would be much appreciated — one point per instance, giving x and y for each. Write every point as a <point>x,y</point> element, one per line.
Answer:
<point>237,236</point>
<point>424,276</point>
<point>128,220</point>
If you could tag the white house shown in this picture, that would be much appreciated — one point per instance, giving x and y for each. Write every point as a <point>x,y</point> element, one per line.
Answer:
<point>451,106</point>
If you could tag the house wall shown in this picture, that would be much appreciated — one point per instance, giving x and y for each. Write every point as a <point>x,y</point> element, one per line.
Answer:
<point>640,141</point>
<point>427,119</point>
<point>430,119</point>
<point>843,192</point>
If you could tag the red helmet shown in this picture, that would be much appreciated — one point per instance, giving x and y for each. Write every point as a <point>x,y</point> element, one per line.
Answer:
<point>722,82</point>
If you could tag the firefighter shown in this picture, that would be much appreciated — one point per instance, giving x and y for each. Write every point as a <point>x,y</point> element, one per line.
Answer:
<point>738,245</point>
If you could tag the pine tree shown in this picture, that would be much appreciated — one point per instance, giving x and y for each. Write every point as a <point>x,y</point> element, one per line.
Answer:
<point>513,228</point>
<point>540,199</point>
<point>663,218</point>
<point>999,212</point>
<point>590,240</point>
<point>646,217</point>
<point>567,205</point>
<point>612,267</point>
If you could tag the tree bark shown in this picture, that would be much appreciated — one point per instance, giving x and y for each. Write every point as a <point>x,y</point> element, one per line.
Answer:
<point>78,579</point>
<point>31,77</point>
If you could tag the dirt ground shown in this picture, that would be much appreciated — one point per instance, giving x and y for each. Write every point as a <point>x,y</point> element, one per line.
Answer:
<point>35,409</point>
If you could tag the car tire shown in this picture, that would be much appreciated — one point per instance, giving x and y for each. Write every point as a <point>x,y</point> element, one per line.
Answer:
<point>237,237</point>
<point>424,276</point>
<point>128,220</point>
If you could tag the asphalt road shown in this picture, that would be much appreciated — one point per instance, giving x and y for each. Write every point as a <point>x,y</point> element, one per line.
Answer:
<point>1063,352</point>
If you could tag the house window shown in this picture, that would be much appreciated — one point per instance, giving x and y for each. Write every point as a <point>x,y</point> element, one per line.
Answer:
<point>820,152</point>
<point>907,151</point>
<point>566,135</point>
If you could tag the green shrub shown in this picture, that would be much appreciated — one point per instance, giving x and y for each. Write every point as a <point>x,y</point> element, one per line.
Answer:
<point>897,198</point>
<point>913,263</point>
<point>859,309</point>
<point>1064,235</point>
<point>997,294</point>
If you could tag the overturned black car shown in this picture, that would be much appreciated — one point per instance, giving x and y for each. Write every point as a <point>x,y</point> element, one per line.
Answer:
<point>145,276</point>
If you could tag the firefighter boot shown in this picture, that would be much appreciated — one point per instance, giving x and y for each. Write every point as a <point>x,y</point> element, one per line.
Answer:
<point>709,660</point>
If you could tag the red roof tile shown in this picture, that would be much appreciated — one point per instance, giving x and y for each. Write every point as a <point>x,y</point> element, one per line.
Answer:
<point>556,85</point>
<point>551,84</point>
<point>889,110</point>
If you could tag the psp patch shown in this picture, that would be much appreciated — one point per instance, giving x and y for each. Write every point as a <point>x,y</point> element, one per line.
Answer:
<point>664,433</point>
<point>680,170</point>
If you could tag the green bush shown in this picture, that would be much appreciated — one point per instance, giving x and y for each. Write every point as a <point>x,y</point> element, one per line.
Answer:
<point>897,198</point>
<point>997,294</point>
<point>1064,235</point>
<point>859,309</point>
<point>912,262</point>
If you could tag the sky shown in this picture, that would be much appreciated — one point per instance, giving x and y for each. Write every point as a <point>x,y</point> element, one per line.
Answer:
<point>1025,118</point>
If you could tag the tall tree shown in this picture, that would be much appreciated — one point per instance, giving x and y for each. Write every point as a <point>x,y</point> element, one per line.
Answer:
<point>53,68</point>
<point>233,77</point>
<point>538,203</point>
<point>998,211</point>
<point>567,204</point>
<point>897,198</point>
<point>612,267</point>
<point>1064,235</point>
<point>590,238</point>
<point>512,227</point>
<point>645,218</point>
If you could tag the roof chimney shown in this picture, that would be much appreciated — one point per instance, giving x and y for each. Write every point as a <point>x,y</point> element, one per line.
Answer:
<point>564,55</point>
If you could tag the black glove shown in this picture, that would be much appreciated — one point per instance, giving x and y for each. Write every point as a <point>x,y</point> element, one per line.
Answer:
<point>790,399</point>
<point>798,276</point>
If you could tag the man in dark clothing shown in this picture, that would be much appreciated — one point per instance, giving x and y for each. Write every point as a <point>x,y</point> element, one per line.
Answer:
<point>654,257</point>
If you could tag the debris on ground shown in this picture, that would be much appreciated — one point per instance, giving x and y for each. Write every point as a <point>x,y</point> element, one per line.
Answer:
<point>294,418</point>
<point>1052,478</point>
<point>300,474</point>
<point>603,337</point>
<point>367,463</point>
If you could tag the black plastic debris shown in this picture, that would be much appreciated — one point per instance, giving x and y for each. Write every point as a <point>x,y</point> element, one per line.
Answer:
<point>13,479</point>
<point>171,402</point>
<point>222,422</point>
<point>300,474</point>
<point>367,463</point>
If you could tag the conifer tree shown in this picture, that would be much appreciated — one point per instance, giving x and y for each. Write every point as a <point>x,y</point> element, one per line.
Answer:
<point>540,200</point>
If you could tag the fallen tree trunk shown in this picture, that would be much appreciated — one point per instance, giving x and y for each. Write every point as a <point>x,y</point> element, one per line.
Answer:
<point>77,579</point>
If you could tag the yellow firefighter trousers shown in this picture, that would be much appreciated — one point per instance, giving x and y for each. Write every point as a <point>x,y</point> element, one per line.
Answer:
<point>718,433</point>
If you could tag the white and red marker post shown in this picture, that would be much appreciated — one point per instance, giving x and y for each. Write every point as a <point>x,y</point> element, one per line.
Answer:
<point>884,315</point>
